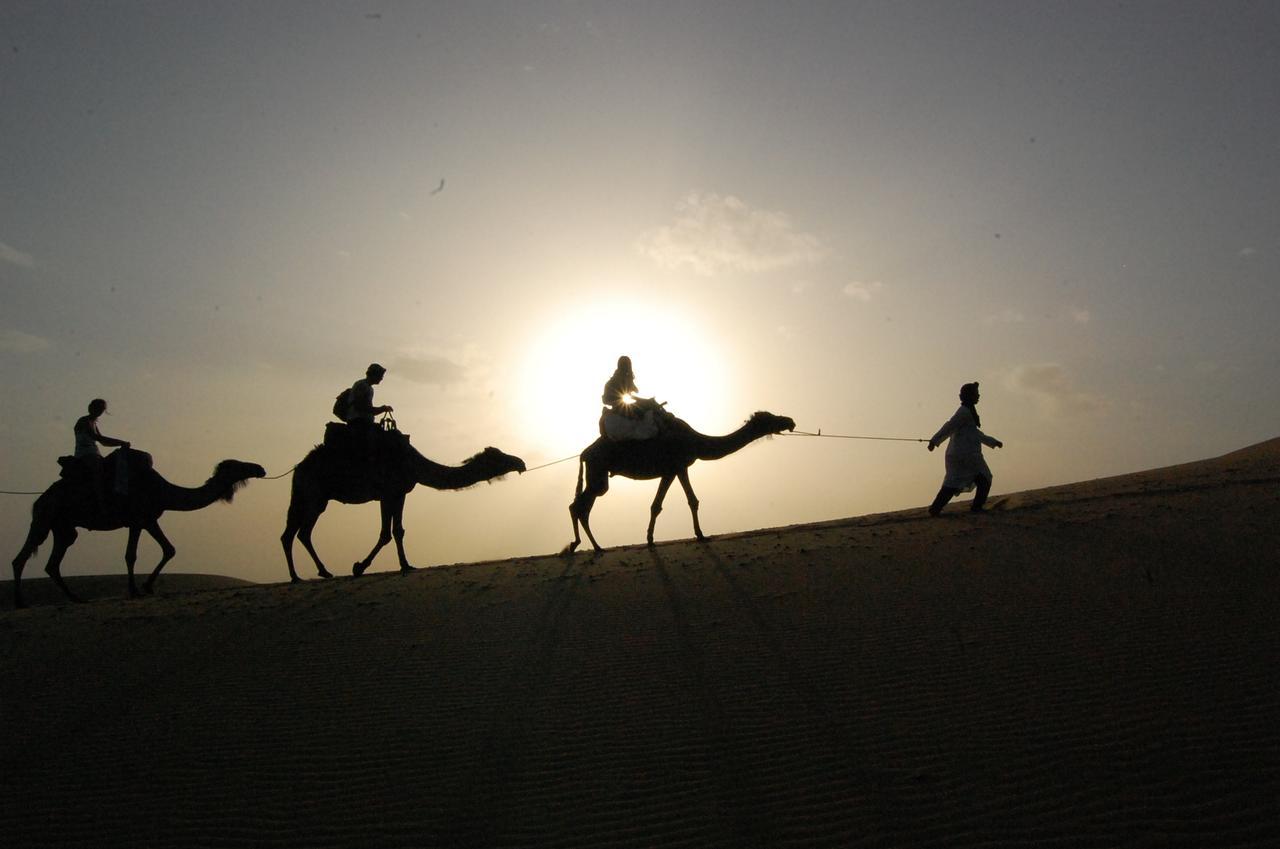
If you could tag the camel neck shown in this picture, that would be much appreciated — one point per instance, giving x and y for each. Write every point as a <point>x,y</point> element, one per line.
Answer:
<point>185,499</point>
<point>438,476</point>
<point>716,447</point>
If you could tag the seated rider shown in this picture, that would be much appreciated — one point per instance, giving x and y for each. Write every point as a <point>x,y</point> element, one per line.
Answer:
<point>626,416</point>
<point>88,438</point>
<point>360,409</point>
<point>620,389</point>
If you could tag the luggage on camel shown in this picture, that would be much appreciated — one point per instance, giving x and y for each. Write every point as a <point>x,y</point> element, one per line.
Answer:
<point>646,419</point>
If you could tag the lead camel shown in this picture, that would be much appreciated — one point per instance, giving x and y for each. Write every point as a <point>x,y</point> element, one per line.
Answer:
<point>667,457</point>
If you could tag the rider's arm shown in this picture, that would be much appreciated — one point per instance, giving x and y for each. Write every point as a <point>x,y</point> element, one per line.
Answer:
<point>109,441</point>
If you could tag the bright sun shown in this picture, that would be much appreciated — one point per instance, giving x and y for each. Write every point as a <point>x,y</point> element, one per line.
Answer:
<point>566,368</point>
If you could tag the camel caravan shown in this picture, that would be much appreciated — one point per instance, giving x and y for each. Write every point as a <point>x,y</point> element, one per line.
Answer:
<point>364,457</point>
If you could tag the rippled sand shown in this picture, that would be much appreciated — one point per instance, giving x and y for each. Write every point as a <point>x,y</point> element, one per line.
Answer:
<point>1088,665</point>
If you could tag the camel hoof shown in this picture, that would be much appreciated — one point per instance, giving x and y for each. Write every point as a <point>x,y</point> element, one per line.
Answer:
<point>702,538</point>
<point>568,550</point>
<point>406,569</point>
<point>325,574</point>
<point>294,579</point>
<point>357,569</point>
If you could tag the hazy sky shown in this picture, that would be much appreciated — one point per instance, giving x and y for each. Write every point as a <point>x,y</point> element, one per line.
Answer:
<point>216,214</point>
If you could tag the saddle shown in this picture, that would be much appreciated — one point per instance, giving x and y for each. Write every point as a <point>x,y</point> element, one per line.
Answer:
<point>355,445</point>
<point>115,479</point>
<point>649,420</point>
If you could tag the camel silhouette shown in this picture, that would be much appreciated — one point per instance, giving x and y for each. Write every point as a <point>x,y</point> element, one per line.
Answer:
<point>666,457</point>
<point>73,503</point>
<point>334,472</point>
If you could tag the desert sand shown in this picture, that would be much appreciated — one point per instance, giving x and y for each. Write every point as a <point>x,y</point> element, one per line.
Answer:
<point>1095,664</point>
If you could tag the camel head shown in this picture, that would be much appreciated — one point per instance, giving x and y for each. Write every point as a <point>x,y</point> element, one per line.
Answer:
<point>233,474</point>
<point>496,463</point>
<point>767,423</point>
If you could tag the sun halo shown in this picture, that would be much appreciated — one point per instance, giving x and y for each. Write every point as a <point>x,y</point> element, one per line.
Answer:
<point>565,368</point>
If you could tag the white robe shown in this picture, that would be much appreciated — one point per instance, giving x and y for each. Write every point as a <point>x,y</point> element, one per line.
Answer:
<point>964,451</point>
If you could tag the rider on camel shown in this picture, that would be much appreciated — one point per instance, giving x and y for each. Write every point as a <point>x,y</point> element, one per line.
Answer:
<point>88,438</point>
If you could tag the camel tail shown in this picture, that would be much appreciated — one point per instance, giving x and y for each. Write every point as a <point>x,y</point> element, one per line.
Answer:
<point>39,532</point>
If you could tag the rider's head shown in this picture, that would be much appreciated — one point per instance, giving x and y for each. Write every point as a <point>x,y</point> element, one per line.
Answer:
<point>97,407</point>
<point>969,393</point>
<point>624,365</point>
<point>374,372</point>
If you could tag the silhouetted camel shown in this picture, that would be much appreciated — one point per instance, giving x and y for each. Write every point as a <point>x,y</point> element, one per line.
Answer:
<point>666,457</point>
<point>73,503</point>
<point>332,473</point>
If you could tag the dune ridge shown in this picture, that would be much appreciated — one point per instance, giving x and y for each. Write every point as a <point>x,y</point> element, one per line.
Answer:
<point>1090,665</point>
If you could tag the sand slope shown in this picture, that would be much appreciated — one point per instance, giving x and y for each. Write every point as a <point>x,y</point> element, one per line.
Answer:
<point>1089,665</point>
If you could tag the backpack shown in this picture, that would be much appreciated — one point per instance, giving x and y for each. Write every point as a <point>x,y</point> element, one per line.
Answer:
<point>342,404</point>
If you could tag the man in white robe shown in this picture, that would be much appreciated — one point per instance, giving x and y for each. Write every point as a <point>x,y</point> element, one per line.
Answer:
<point>966,467</point>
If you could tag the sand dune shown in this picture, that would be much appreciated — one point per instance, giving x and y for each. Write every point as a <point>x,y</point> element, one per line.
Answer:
<point>1087,665</point>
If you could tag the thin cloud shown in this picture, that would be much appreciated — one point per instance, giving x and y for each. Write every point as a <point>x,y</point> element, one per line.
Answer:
<point>1005,316</point>
<point>454,367</point>
<point>1081,316</point>
<point>862,291</point>
<point>17,342</point>
<point>1054,391</point>
<point>428,369</point>
<point>13,256</point>
<point>717,233</point>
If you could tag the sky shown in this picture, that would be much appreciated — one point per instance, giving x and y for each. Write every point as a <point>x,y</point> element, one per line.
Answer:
<point>216,215</point>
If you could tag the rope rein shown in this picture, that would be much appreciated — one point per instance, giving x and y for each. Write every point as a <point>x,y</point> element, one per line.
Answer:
<point>553,462</point>
<point>844,436</point>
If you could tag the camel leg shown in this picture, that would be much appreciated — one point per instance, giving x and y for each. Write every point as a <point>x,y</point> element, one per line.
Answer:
<point>397,532</point>
<point>62,540</point>
<point>580,510</point>
<point>693,504</point>
<point>299,524</point>
<point>19,563</point>
<point>166,554</point>
<point>656,507</point>
<point>131,557</point>
<point>304,536</point>
<point>568,549</point>
<point>384,537</point>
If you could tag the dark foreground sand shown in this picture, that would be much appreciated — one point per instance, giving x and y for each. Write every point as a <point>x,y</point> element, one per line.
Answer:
<point>1090,665</point>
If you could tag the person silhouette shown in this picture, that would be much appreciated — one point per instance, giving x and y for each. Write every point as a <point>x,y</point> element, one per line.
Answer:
<point>966,468</point>
<point>360,411</point>
<point>620,389</point>
<point>626,416</point>
<point>88,438</point>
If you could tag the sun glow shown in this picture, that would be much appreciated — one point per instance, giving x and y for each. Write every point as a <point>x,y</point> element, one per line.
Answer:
<point>675,360</point>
